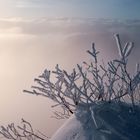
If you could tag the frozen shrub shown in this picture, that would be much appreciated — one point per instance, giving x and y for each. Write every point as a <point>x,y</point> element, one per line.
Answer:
<point>92,83</point>
<point>21,132</point>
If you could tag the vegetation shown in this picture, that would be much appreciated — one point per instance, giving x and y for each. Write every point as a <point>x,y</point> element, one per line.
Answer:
<point>84,85</point>
<point>92,83</point>
<point>22,132</point>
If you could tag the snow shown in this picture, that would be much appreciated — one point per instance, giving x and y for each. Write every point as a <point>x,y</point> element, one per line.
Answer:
<point>71,130</point>
<point>102,121</point>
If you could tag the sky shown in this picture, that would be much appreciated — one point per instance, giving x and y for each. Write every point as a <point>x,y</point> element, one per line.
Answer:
<point>75,8</point>
<point>38,34</point>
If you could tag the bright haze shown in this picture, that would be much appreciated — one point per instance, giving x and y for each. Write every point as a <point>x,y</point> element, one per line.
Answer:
<point>38,34</point>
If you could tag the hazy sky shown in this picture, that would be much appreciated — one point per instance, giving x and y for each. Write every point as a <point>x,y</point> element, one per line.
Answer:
<point>38,34</point>
<point>72,8</point>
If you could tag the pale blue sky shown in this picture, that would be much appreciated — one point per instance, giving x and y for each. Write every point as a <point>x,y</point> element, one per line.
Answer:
<point>120,9</point>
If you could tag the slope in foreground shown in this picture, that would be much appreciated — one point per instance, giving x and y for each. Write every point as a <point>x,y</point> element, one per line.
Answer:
<point>102,121</point>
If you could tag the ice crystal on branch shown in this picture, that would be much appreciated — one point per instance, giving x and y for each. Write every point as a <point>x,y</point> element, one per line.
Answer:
<point>93,83</point>
<point>23,132</point>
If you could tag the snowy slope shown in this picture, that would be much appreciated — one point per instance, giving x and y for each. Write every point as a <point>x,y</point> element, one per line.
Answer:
<point>71,130</point>
<point>102,121</point>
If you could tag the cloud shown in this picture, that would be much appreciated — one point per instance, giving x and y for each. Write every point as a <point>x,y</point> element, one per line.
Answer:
<point>69,25</point>
<point>74,32</point>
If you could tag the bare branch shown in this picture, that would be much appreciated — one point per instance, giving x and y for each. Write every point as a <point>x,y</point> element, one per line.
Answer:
<point>92,83</point>
<point>21,132</point>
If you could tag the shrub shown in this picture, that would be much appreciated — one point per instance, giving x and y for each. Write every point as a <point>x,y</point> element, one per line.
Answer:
<point>95,82</point>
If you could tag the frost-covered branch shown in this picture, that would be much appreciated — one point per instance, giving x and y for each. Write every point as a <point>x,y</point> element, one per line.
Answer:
<point>24,132</point>
<point>91,83</point>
